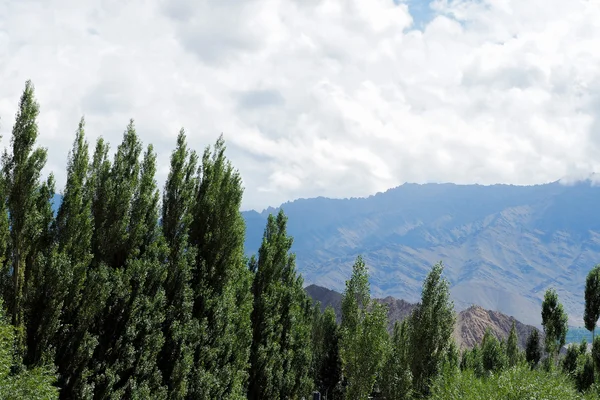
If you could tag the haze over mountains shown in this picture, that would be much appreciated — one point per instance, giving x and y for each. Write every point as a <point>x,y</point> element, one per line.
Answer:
<point>502,245</point>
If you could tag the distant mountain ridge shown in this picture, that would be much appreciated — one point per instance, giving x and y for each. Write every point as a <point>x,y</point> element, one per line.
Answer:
<point>502,245</point>
<point>470,327</point>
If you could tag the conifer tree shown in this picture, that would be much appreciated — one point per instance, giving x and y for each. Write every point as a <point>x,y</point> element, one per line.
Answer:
<point>220,281</point>
<point>363,334</point>
<point>178,328</point>
<point>432,324</point>
<point>21,175</point>
<point>512,347</point>
<point>281,318</point>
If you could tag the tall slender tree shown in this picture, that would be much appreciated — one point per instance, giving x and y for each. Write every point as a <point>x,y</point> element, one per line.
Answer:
<point>432,324</point>
<point>512,346</point>
<point>46,285</point>
<point>176,359</point>
<point>533,348</point>
<point>21,174</point>
<point>363,334</point>
<point>592,300</point>
<point>396,378</point>
<point>327,357</point>
<point>220,281</point>
<point>554,321</point>
<point>281,320</point>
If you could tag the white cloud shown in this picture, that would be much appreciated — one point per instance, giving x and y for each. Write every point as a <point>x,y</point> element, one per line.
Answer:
<point>319,97</point>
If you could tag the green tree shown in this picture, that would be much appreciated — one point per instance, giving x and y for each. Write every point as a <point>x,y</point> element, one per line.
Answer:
<point>73,254</point>
<point>21,175</point>
<point>432,324</point>
<point>492,355</point>
<point>80,335</point>
<point>222,300</point>
<point>46,285</point>
<point>119,339</point>
<point>596,352</point>
<point>176,359</point>
<point>569,362</point>
<point>37,383</point>
<point>584,374</point>
<point>554,321</point>
<point>363,334</point>
<point>281,320</point>
<point>592,300</point>
<point>512,347</point>
<point>533,348</point>
<point>329,366</point>
<point>396,379</point>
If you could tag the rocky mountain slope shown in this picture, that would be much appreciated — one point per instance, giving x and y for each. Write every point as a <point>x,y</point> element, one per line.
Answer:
<point>502,245</point>
<point>470,323</point>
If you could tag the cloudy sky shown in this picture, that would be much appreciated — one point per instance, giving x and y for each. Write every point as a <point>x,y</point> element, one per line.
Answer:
<point>331,98</point>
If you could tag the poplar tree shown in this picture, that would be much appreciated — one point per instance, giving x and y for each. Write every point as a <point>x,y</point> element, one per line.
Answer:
<point>281,319</point>
<point>131,335</point>
<point>512,347</point>
<point>329,364</point>
<point>432,324</point>
<point>554,321</point>
<point>396,378</point>
<point>176,358</point>
<point>363,334</point>
<point>592,300</point>
<point>21,174</point>
<point>533,349</point>
<point>46,284</point>
<point>220,281</point>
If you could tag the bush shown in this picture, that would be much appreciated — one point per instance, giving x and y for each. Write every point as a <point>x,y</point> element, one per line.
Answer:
<point>517,383</point>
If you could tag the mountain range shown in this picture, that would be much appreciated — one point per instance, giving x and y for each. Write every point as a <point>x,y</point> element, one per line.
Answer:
<point>469,329</point>
<point>502,245</point>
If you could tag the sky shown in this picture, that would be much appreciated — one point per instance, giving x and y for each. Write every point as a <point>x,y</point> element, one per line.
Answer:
<point>336,98</point>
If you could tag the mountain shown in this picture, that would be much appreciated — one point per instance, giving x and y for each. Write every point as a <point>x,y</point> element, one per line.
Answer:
<point>470,323</point>
<point>502,245</point>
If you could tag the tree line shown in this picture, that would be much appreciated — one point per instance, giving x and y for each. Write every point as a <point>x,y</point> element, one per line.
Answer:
<point>128,291</point>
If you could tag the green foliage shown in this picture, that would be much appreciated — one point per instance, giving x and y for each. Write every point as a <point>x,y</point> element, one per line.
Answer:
<point>493,356</point>
<point>364,336</point>
<point>220,281</point>
<point>592,299</point>
<point>554,321</point>
<point>37,383</point>
<point>280,356</point>
<point>533,348</point>
<point>176,358</point>
<point>512,347</point>
<point>129,305</point>
<point>396,378</point>
<point>596,352</point>
<point>432,324</point>
<point>21,177</point>
<point>569,362</point>
<point>584,373</point>
<point>515,383</point>
<point>326,356</point>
